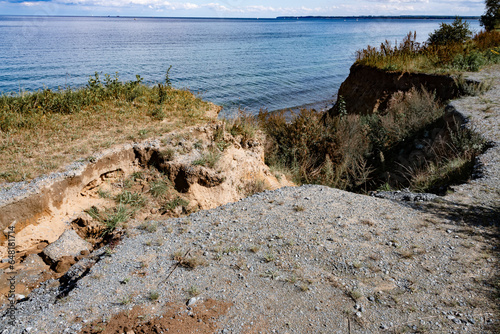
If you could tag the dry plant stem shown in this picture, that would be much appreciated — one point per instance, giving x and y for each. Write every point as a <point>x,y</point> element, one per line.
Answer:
<point>177,264</point>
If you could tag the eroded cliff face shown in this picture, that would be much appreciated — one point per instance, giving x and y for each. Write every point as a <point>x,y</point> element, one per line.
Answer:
<point>367,89</point>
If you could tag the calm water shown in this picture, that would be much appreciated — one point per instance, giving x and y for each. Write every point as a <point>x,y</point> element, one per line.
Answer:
<point>252,64</point>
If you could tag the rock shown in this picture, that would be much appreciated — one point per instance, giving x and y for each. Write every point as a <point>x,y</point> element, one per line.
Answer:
<point>34,262</point>
<point>68,244</point>
<point>405,196</point>
<point>178,210</point>
<point>19,297</point>
<point>193,300</point>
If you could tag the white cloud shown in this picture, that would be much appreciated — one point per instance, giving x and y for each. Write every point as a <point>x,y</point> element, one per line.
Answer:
<point>246,8</point>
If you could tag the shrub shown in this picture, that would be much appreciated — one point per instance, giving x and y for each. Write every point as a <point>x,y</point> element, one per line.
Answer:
<point>457,32</point>
<point>491,19</point>
<point>244,125</point>
<point>469,62</point>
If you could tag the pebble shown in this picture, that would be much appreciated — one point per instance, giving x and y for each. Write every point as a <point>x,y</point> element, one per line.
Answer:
<point>193,301</point>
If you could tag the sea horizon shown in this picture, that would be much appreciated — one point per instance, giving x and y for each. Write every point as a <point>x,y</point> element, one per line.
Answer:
<point>239,63</point>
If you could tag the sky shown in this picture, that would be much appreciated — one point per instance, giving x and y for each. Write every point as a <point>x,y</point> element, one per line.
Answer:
<point>240,8</point>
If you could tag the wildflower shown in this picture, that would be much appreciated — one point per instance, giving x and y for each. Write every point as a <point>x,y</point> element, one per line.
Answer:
<point>495,52</point>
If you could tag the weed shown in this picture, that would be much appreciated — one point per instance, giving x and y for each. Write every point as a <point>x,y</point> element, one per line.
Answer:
<point>208,159</point>
<point>108,110</point>
<point>269,257</point>
<point>193,291</point>
<point>120,215</point>
<point>178,201</point>
<point>126,300</point>
<point>158,188</point>
<point>448,49</point>
<point>188,261</point>
<point>245,126</point>
<point>299,208</point>
<point>132,199</point>
<point>356,294</point>
<point>254,186</point>
<point>103,194</point>
<point>254,248</point>
<point>407,254</point>
<point>150,226</point>
<point>272,274</point>
<point>153,295</point>
<point>168,154</point>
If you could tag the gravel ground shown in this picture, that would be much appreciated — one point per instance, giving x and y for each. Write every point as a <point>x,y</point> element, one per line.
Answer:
<point>309,259</point>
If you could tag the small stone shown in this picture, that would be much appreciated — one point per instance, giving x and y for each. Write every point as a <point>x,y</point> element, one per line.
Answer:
<point>383,326</point>
<point>19,297</point>
<point>359,315</point>
<point>193,301</point>
<point>449,231</point>
<point>371,298</point>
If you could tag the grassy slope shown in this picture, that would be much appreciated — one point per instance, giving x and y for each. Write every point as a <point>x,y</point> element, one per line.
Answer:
<point>45,130</point>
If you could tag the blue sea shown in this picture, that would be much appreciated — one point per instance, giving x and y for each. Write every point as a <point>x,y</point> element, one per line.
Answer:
<point>237,63</point>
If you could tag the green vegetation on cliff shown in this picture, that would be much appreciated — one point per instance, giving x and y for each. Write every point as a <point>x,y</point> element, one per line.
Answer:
<point>449,49</point>
<point>413,143</point>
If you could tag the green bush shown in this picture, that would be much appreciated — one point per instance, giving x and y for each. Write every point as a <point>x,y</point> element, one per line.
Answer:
<point>491,19</point>
<point>469,62</point>
<point>457,32</point>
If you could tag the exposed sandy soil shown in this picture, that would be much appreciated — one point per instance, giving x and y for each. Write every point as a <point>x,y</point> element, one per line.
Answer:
<point>237,173</point>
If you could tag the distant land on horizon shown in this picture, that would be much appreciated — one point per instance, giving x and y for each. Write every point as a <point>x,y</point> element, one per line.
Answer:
<point>362,17</point>
<point>399,17</point>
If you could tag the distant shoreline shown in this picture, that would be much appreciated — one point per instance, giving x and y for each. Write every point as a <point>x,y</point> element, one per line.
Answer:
<point>366,17</point>
<point>370,17</point>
